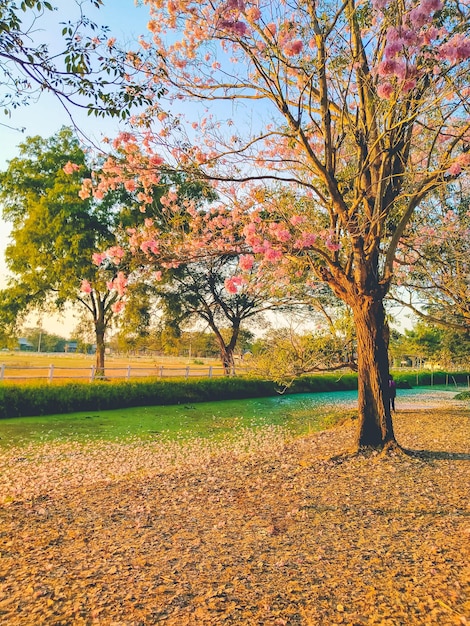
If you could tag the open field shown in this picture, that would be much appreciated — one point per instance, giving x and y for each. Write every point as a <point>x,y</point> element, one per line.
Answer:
<point>269,530</point>
<point>23,366</point>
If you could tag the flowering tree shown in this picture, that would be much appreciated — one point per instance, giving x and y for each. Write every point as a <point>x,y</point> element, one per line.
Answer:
<point>366,107</point>
<point>187,249</point>
<point>205,291</point>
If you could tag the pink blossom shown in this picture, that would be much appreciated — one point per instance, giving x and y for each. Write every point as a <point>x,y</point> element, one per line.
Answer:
<point>380,4</point>
<point>385,90</point>
<point>117,307</point>
<point>232,284</point>
<point>456,49</point>
<point>158,275</point>
<point>432,5</point>
<point>85,286</point>
<point>70,168</point>
<point>296,220</point>
<point>116,253</point>
<point>409,85</point>
<point>246,262</point>
<point>98,257</point>
<point>306,240</point>
<point>253,14</point>
<point>332,245</point>
<point>237,28</point>
<point>272,255</point>
<point>280,232</point>
<point>130,185</point>
<point>454,169</point>
<point>419,16</point>
<point>293,48</point>
<point>120,283</point>
<point>150,246</point>
<point>270,30</point>
<point>155,160</point>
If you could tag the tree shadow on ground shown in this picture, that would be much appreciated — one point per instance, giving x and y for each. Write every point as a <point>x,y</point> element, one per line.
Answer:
<point>438,455</point>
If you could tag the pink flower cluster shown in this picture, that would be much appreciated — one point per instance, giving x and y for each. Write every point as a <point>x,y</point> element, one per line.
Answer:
<point>119,284</point>
<point>461,162</point>
<point>233,284</point>
<point>69,168</point>
<point>85,286</point>
<point>416,37</point>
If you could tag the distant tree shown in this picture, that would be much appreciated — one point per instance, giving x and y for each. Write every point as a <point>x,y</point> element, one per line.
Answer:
<point>55,234</point>
<point>43,341</point>
<point>283,354</point>
<point>201,292</point>
<point>426,342</point>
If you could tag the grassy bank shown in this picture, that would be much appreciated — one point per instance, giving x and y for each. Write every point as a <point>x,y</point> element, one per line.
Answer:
<point>46,399</point>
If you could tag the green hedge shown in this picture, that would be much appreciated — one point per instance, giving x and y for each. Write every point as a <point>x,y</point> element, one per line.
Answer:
<point>427,378</point>
<point>46,399</point>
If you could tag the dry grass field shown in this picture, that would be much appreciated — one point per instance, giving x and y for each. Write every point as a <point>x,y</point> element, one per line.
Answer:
<point>28,366</point>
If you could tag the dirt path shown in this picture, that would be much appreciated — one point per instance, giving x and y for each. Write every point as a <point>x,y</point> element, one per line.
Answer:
<point>267,532</point>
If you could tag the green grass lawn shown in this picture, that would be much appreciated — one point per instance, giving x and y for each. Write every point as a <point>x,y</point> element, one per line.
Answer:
<point>299,413</point>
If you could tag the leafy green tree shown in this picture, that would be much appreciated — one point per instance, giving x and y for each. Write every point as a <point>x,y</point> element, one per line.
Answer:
<point>55,234</point>
<point>283,354</point>
<point>427,342</point>
<point>42,341</point>
<point>200,292</point>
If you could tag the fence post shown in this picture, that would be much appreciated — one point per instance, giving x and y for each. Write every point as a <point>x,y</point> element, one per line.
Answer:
<point>2,371</point>
<point>187,371</point>
<point>51,372</point>
<point>161,371</point>
<point>210,371</point>
<point>92,374</point>
<point>128,372</point>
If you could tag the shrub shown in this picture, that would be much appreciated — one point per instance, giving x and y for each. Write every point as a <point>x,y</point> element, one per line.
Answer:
<point>66,397</point>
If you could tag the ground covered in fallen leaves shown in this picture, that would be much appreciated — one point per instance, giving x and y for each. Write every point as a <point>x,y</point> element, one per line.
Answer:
<point>262,530</point>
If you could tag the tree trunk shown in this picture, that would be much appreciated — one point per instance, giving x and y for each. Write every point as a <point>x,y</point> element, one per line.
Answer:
<point>375,419</point>
<point>100,351</point>
<point>228,360</point>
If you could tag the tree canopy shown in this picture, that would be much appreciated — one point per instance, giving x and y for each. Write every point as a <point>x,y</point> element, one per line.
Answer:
<point>55,234</point>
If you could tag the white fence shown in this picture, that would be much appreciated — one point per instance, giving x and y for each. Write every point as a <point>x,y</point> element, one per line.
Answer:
<point>55,372</point>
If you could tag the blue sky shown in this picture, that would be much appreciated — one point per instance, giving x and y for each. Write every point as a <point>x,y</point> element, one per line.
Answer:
<point>47,116</point>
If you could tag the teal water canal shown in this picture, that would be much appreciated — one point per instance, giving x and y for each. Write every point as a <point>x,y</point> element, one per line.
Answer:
<point>299,413</point>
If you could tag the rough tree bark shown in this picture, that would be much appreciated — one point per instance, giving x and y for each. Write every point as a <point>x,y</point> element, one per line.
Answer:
<point>375,420</point>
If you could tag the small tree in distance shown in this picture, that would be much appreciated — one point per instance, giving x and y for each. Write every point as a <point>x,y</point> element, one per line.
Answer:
<point>366,107</point>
